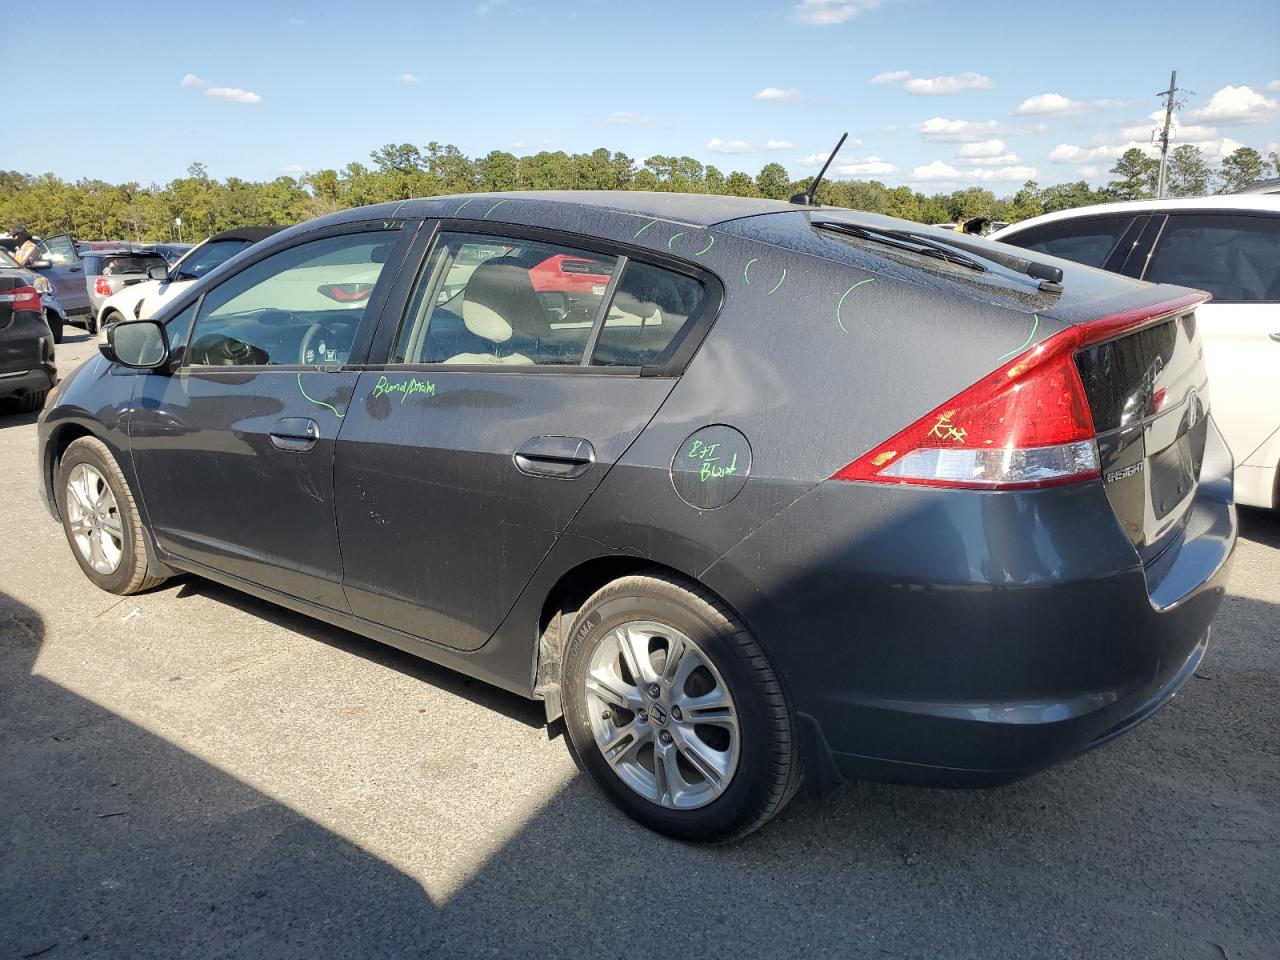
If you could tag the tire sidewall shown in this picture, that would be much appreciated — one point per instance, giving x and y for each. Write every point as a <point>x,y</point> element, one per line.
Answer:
<point>119,580</point>
<point>756,734</point>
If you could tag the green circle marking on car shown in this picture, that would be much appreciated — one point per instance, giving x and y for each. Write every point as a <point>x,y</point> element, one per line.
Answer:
<point>711,467</point>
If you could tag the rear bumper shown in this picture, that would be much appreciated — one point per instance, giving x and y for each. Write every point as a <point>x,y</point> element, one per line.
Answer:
<point>962,638</point>
<point>19,382</point>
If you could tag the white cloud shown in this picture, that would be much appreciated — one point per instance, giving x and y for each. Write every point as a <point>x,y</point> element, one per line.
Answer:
<point>1046,104</point>
<point>779,94</point>
<point>1014,173</point>
<point>818,159</point>
<point>872,166</point>
<point>191,81</point>
<point>779,145</point>
<point>408,78</point>
<point>623,117</point>
<point>949,83</point>
<point>891,76</point>
<point>1071,153</point>
<point>826,13</point>
<point>982,148</point>
<point>956,131</point>
<point>293,169</point>
<point>716,145</point>
<point>1274,85</point>
<point>1003,160</point>
<point>1232,105</point>
<point>934,171</point>
<point>233,95</point>
<point>1105,104</point>
<point>1089,172</point>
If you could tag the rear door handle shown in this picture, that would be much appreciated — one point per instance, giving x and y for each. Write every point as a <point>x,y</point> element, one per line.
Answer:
<point>563,458</point>
<point>295,434</point>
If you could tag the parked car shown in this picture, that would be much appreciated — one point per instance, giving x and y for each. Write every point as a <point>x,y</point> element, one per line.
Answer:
<point>140,300</point>
<point>27,369</point>
<point>816,493</point>
<point>54,315</point>
<point>85,274</point>
<point>1227,245</point>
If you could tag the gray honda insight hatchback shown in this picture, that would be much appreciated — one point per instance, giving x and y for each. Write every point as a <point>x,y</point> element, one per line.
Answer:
<point>756,494</point>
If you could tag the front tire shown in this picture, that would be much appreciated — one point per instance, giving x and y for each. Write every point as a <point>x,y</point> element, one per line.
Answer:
<point>674,710</point>
<point>100,519</point>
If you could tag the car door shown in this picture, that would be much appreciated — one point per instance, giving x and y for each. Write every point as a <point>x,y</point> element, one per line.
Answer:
<point>66,272</point>
<point>526,363</point>
<point>1236,257</point>
<point>233,445</point>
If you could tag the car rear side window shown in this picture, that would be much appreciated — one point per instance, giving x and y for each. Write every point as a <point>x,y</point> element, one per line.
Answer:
<point>1087,240</point>
<point>648,318</point>
<point>299,306</point>
<point>485,300</point>
<point>1235,257</point>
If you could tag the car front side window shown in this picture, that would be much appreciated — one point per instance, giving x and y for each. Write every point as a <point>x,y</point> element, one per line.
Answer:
<point>1088,240</point>
<point>1235,257</point>
<point>301,305</point>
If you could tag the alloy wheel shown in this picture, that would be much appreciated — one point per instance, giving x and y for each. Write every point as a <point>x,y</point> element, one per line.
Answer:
<point>661,715</point>
<point>94,519</point>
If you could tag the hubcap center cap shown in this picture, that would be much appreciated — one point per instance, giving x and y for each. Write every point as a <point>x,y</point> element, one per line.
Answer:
<point>658,715</point>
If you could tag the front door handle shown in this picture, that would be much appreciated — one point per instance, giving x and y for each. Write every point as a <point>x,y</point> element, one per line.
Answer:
<point>295,434</point>
<point>1276,336</point>
<point>562,458</point>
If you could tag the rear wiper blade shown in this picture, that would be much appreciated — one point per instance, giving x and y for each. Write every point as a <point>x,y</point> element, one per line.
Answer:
<point>1050,277</point>
<point>903,239</point>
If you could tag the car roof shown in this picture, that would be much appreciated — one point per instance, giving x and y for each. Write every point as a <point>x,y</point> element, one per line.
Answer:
<point>1257,202</point>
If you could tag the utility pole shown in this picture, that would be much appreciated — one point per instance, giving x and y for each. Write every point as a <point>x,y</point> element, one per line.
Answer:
<point>1169,104</point>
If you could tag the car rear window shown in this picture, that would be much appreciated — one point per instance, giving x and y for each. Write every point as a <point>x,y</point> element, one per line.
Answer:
<point>1087,240</point>
<point>115,266</point>
<point>1235,257</point>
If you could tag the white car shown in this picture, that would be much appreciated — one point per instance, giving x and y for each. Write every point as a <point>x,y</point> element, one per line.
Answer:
<point>1227,245</point>
<point>141,300</point>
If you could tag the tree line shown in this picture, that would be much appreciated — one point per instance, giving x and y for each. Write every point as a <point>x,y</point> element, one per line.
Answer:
<point>94,209</point>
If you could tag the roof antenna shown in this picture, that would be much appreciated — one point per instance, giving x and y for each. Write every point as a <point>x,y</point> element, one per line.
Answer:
<point>806,199</point>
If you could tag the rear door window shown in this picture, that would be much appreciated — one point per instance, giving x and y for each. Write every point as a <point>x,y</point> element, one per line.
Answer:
<point>503,300</point>
<point>1087,240</point>
<point>648,317</point>
<point>1236,257</point>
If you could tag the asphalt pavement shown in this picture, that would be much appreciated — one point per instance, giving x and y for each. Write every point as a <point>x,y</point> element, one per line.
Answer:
<point>194,773</point>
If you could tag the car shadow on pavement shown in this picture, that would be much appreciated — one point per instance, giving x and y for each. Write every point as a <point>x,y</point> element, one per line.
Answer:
<point>1260,526</point>
<point>115,842</point>
<point>10,416</point>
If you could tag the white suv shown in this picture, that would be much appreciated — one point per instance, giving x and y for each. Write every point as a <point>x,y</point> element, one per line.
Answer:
<point>140,301</point>
<point>1228,245</point>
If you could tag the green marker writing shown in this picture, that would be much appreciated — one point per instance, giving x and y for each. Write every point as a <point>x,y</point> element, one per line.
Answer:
<point>406,388</point>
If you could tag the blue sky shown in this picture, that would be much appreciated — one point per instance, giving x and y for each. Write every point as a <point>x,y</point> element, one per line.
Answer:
<point>935,94</point>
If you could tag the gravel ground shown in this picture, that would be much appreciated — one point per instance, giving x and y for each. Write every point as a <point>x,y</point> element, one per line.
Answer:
<point>193,773</point>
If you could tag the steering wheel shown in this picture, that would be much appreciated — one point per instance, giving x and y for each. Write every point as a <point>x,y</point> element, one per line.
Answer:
<point>325,343</point>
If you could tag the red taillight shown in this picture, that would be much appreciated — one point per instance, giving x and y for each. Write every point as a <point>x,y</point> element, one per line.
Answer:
<point>1026,425</point>
<point>22,298</point>
<point>103,287</point>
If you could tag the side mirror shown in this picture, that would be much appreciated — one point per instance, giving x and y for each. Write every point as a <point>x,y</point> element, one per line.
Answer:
<point>158,272</point>
<point>39,265</point>
<point>143,344</point>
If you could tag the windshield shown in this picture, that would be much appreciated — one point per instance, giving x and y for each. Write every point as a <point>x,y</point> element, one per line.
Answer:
<point>207,256</point>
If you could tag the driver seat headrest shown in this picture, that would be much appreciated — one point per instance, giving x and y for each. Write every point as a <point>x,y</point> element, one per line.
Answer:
<point>499,301</point>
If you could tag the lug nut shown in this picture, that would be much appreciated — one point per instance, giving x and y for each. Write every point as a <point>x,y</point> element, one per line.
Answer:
<point>676,714</point>
<point>642,716</point>
<point>665,736</point>
<point>655,691</point>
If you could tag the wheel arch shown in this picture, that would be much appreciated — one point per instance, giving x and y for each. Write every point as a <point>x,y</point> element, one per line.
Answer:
<point>61,436</point>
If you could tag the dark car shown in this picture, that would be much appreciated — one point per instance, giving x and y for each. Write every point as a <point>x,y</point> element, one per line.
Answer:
<point>813,493</point>
<point>54,315</point>
<point>27,370</point>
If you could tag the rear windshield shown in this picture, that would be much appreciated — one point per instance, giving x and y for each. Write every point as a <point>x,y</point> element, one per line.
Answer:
<point>114,266</point>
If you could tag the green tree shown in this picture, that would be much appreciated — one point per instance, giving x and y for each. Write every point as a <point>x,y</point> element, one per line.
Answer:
<point>1239,168</point>
<point>739,184</point>
<point>1187,174</point>
<point>772,181</point>
<point>1135,175</point>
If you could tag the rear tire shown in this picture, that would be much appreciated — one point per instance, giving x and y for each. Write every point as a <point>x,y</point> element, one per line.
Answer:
<point>31,402</point>
<point>710,776</point>
<point>100,519</point>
